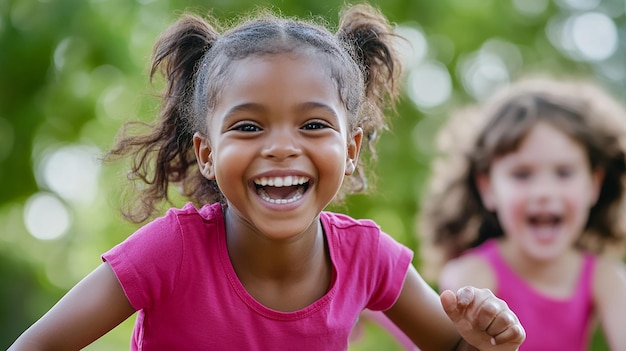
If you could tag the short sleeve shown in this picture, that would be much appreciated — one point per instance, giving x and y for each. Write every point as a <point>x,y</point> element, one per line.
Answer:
<point>146,263</point>
<point>392,263</point>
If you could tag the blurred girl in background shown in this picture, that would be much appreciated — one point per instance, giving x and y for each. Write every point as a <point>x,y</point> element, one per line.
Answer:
<point>526,198</point>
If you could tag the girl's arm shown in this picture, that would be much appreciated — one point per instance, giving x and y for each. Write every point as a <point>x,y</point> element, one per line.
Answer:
<point>89,310</point>
<point>610,299</point>
<point>438,322</point>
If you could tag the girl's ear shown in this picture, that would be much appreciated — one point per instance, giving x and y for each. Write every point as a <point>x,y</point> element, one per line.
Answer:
<point>483,183</point>
<point>204,155</point>
<point>597,178</point>
<point>354,147</point>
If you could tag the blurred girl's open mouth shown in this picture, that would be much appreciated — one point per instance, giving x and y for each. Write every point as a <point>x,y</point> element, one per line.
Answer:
<point>545,226</point>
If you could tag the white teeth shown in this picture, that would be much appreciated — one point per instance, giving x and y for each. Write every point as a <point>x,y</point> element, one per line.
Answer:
<point>281,181</point>
<point>267,198</point>
<point>278,182</point>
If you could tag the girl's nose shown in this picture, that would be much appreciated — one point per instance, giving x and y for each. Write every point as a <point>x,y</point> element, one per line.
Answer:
<point>543,189</point>
<point>281,144</point>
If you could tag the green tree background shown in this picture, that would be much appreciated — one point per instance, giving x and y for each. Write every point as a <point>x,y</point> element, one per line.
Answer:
<point>72,72</point>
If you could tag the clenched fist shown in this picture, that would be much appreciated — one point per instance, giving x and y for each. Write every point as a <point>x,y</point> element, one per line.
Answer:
<point>482,319</point>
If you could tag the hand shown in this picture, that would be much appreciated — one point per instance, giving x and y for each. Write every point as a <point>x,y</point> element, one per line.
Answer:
<point>482,319</point>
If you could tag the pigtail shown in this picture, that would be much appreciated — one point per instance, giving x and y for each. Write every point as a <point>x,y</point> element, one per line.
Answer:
<point>165,154</point>
<point>370,38</point>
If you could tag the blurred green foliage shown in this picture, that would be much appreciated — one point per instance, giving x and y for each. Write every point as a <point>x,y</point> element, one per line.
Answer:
<point>72,72</point>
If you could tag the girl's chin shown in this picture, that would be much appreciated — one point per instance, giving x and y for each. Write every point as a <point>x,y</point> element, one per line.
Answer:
<point>542,251</point>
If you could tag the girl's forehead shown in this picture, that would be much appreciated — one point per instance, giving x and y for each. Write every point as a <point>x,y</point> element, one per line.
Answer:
<point>279,82</point>
<point>278,69</point>
<point>545,142</point>
<point>510,132</point>
<point>544,133</point>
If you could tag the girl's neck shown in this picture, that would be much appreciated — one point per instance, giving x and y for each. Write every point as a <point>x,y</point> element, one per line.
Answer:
<point>556,277</point>
<point>270,270</point>
<point>252,252</point>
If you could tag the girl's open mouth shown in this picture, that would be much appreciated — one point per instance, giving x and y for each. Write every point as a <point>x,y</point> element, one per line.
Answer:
<point>545,227</point>
<point>545,220</point>
<point>281,190</point>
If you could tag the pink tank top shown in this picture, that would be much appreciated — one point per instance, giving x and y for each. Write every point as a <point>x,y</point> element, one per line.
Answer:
<point>550,323</point>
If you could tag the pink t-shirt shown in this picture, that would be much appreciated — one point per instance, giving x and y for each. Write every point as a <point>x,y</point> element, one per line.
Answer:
<point>177,273</point>
<point>550,323</point>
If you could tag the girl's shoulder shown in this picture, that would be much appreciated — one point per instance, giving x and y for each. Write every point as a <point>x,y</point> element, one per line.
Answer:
<point>361,235</point>
<point>191,212</point>
<point>607,273</point>
<point>468,269</point>
<point>609,288</point>
<point>344,221</point>
<point>208,211</point>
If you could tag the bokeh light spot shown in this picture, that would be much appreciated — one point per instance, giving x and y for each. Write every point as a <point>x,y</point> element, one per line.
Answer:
<point>429,85</point>
<point>72,172</point>
<point>482,73</point>
<point>594,35</point>
<point>413,50</point>
<point>46,217</point>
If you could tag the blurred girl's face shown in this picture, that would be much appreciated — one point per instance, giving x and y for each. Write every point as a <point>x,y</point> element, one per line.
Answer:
<point>542,192</point>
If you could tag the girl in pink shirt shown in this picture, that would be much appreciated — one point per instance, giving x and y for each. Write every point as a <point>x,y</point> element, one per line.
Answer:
<point>528,189</point>
<point>261,127</point>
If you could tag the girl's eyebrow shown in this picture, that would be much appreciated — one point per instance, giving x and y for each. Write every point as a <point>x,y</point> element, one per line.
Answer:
<point>244,107</point>
<point>310,105</point>
<point>248,106</point>
<point>255,107</point>
<point>332,116</point>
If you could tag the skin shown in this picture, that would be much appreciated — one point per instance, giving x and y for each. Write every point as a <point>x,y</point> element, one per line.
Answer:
<point>280,116</point>
<point>542,193</point>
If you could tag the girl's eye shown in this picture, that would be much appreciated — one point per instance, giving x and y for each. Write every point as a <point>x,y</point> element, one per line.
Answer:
<point>521,174</point>
<point>246,127</point>
<point>565,172</point>
<point>315,125</point>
